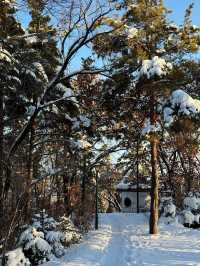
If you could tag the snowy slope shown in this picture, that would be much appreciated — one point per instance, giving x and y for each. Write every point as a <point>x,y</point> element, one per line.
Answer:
<point>123,240</point>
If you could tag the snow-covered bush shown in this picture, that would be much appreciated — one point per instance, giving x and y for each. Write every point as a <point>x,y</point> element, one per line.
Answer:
<point>188,218</point>
<point>167,207</point>
<point>46,238</point>
<point>43,222</point>
<point>71,233</point>
<point>34,239</point>
<point>191,212</point>
<point>192,202</point>
<point>56,240</point>
<point>16,258</point>
<point>35,247</point>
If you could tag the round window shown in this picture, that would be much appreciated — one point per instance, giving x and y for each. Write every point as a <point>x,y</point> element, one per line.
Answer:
<point>127,202</point>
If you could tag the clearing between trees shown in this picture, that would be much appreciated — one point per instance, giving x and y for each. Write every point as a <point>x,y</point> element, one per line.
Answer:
<point>124,240</point>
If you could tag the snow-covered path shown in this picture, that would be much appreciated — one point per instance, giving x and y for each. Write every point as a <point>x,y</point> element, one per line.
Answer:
<point>123,240</point>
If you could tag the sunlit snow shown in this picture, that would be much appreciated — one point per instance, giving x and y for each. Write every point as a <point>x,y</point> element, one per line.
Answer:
<point>124,240</point>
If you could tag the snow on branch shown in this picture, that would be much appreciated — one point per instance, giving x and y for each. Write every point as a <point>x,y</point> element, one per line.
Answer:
<point>180,103</point>
<point>149,128</point>
<point>88,36</point>
<point>155,67</point>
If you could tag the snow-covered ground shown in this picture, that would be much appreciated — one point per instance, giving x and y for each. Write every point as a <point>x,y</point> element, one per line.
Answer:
<point>123,240</point>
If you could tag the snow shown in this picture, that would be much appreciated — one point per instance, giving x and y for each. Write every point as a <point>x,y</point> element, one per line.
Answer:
<point>170,209</point>
<point>31,39</point>
<point>26,236</point>
<point>188,217</point>
<point>14,79</point>
<point>192,203</point>
<point>53,236</point>
<point>149,128</point>
<point>16,258</point>
<point>37,233</point>
<point>155,67</point>
<point>172,26</point>
<point>184,102</point>
<point>68,93</point>
<point>5,55</point>
<point>85,121</point>
<point>133,6</point>
<point>160,51</point>
<point>9,1</point>
<point>40,244</point>
<point>39,67</point>
<point>31,73</point>
<point>80,144</point>
<point>123,184</point>
<point>168,115</point>
<point>195,27</point>
<point>197,218</point>
<point>123,239</point>
<point>84,144</point>
<point>30,110</point>
<point>81,120</point>
<point>46,165</point>
<point>55,239</point>
<point>132,32</point>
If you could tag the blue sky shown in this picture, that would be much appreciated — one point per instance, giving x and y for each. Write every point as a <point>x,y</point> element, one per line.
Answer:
<point>178,8</point>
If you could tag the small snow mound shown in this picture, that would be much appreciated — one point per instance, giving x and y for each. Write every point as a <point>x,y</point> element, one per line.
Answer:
<point>168,210</point>
<point>188,217</point>
<point>16,258</point>
<point>191,203</point>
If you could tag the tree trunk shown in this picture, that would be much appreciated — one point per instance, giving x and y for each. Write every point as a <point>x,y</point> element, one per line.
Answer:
<point>154,189</point>
<point>96,203</point>
<point>30,173</point>
<point>1,154</point>
<point>137,175</point>
<point>153,222</point>
<point>190,175</point>
<point>83,185</point>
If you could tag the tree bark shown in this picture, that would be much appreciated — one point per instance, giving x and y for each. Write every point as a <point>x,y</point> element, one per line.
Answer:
<point>30,172</point>
<point>96,203</point>
<point>153,222</point>
<point>1,154</point>
<point>137,176</point>
<point>83,185</point>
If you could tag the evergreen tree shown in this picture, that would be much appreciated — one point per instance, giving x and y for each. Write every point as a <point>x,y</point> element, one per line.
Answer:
<point>9,81</point>
<point>149,46</point>
<point>44,39</point>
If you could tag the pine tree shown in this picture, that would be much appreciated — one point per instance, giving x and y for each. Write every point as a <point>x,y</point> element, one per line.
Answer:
<point>147,43</point>
<point>9,76</point>
<point>44,41</point>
